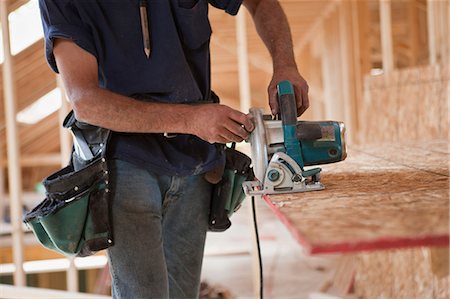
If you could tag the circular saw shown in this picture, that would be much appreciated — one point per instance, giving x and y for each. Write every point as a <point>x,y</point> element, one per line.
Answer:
<point>281,147</point>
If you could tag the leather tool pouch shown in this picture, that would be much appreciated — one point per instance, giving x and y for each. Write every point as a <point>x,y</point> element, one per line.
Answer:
<point>74,218</point>
<point>228,194</point>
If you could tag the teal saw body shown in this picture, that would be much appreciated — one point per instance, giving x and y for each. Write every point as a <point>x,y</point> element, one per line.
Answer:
<point>308,142</point>
<point>329,148</point>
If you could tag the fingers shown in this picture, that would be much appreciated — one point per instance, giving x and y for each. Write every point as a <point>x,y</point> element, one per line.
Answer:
<point>302,98</point>
<point>237,130</point>
<point>241,119</point>
<point>230,137</point>
<point>273,99</point>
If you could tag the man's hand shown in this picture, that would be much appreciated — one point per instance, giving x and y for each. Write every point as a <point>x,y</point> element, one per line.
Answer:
<point>300,89</point>
<point>273,28</point>
<point>221,124</point>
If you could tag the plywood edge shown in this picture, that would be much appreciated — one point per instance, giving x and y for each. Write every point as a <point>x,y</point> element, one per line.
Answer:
<point>357,246</point>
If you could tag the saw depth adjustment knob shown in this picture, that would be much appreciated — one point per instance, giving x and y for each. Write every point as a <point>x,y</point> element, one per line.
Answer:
<point>273,175</point>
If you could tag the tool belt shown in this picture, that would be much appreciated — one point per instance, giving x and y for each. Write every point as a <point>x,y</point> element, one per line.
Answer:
<point>228,194</point>
<point>74,218</point>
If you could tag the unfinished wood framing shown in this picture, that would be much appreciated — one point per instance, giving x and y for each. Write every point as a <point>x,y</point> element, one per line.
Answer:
<point>349,55</point>
<point>413,24</point>
<point>386,36</point>
<point>2,181</point>
<point>72,280</point>
<point>399,274</point>
<point>242,55</point>
<point>64,134</point>
<point>410,104</point>
<point>14,171</point>
<point>332,69</point>
<point>245,104</point>
<point>432,31</point>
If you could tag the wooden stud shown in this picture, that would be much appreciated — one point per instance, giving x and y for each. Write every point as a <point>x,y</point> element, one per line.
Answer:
<point>413,32</point>
<point>14,171</point>
<point>444,32</point>
<point>72,280</point>
<point>348,60</point>
<point>242,56</point>
<point>362,18</point>
<point>245,104</point>
<point>331,70</point>
<point>255,61</point>
<point>439,260</point>
<point>432,31</point>
<point>64,134</point>
<point>2,182</point>
<point>37,160</point>
<point>398,274</point>
<point>387,50</point>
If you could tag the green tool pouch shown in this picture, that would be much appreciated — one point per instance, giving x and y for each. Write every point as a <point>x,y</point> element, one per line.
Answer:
<point>74,218</point>
<point>228,194</point>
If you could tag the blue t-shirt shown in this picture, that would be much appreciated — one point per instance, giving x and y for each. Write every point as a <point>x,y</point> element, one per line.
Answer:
<point>178,70</point>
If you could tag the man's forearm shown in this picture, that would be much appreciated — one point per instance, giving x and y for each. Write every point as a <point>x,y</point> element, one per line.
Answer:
<point>273,28</point>
<point>109,110</point>
<point>101,107</point>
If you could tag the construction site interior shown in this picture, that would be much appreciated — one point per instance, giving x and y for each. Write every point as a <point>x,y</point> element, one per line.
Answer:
<point>380,229</point>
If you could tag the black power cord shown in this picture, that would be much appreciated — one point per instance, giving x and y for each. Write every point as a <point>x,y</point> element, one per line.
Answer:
<point>255,225</point>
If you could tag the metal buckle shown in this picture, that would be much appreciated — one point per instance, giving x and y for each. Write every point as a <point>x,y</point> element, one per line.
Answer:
<point>170,135</point>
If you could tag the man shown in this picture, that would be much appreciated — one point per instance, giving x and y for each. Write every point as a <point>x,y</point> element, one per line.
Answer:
<point>142,80</point>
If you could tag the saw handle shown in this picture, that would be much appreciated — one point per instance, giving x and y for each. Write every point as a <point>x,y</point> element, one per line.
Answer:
<point>288,111</point>
<point>287,103</point>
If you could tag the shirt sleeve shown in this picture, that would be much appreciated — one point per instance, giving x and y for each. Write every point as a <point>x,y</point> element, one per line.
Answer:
<point>230,6</point>
<point>60,19</point>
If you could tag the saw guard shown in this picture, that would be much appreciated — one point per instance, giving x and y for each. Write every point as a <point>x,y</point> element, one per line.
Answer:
<point>258,144</point>
<point>286,183</point>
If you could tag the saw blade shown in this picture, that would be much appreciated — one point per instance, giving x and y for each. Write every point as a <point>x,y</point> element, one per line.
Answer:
<point>258,144</point>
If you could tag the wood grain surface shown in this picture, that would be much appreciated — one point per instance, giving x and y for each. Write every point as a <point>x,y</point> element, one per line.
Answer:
<point>382,197</point>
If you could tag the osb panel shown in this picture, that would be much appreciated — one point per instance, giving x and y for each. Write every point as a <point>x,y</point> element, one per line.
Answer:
<point>405,105</point>
<point>388,196</point>
<point>399,274</point>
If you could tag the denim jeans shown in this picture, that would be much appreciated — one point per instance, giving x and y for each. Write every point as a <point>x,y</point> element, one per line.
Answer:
<point>159,226</point>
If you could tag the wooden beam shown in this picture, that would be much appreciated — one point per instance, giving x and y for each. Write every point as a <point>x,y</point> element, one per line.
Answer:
<point>312,32</point>
<point>387,50</point>
<point>413,32</point>
<point>432,31</point>
<point>245,104</point>
<point>37,160</point>
<point>444,32</point>
<point>64,134</point>
<point>72,280</point>
<point>14,171</point>
<point>242,57</point>
<point>331,69</point>
<point>2,182</point>
<point>255,61</point>
<point>360,58</point>
<point>34,293</point>
<point>439,260</point>
<point>347,62</point>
